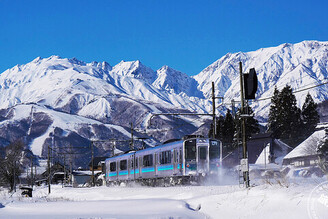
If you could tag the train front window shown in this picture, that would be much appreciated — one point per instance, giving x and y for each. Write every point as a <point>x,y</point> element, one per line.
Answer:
<point>214,149</point>
<point>202,153</point>
<point>190,149</point>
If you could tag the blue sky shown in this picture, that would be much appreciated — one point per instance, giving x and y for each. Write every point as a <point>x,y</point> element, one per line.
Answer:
<point>186,35</point>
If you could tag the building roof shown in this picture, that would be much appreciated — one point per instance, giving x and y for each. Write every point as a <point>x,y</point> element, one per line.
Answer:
<point>307,147</point>
<point>97,161</point>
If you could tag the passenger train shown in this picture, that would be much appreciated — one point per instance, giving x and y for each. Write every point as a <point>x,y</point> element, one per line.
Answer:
<point>177,162</point>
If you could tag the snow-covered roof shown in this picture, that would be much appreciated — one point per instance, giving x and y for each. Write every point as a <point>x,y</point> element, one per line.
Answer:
<point>85,172</point>
<point>307,147</point>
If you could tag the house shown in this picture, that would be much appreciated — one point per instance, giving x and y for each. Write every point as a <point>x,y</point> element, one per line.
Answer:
<point>306,153</point>
<point>98,163</point>
<point>59,173</point>
<point>83,178</point>
<point>262,148</point>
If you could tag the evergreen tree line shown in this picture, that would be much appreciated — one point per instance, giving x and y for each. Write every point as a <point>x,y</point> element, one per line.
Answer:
<point>228,128</point>
<point>286,121</point>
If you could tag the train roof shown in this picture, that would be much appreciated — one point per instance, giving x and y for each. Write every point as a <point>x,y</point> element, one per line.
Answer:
<point>165,144</point>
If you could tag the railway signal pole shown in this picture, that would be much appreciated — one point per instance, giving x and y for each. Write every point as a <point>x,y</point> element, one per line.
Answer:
<point>248,88</point>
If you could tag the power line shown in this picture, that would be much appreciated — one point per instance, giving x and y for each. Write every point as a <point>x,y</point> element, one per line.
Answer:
<point>297,91</point>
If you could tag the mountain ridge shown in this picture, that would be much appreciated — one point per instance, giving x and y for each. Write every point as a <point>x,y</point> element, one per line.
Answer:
<point>100,95</point>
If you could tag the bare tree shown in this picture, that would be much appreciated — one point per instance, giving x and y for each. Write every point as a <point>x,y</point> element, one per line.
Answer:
<point>10,164</point>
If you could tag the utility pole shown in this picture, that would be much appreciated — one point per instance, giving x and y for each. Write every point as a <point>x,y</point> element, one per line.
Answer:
<point>15,176</point>
<point>71,165</point>
<point>49,172</point>
<point>93,171</point>
<point>213,109</point>
<point>32,180</point>
<point>245,157</point>
<point>131,143</point>
<point>64,181</point>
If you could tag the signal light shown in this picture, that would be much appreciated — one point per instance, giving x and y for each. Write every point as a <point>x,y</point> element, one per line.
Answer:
<point>250,84</point>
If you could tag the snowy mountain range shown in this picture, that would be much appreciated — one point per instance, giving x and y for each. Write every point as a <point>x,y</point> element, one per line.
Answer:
<point>76,101</point>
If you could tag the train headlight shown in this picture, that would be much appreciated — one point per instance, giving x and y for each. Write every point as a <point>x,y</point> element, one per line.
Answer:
<point>187,165</point>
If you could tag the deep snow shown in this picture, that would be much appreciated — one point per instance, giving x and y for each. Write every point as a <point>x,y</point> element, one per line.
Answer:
<point>267,199</point>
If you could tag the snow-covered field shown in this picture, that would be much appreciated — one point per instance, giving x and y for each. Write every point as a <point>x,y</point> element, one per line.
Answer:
<point>267,199</point>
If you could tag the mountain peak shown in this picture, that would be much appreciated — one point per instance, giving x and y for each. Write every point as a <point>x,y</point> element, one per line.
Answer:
<point>175,81</point>
<point>76,61</point>
<point>134,69</point>
<point>37,59</point>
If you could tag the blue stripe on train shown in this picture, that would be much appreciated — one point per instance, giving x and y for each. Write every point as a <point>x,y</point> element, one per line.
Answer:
<point>146,170</point>
<point>132,171</point>
<point>112,174</point>
<point>121,173</point>
<point>166,167</point>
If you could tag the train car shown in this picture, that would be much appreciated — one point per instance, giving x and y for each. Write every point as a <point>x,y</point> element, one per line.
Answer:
<point>175,162</point>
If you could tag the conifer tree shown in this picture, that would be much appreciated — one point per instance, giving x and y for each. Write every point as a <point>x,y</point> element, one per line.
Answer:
<point>290,117</point>
<point>228,128</point>
<point>251,124</point>
<point>310,116</point>
<point>219,128</point>
<point>285,117</point>
<point>274,116</point>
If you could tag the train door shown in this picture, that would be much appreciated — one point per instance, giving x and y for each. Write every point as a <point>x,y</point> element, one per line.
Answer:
<point>180,165</point>
<point>136,167</point>
<point>155,163</point>
<point>175,161</point>
<point>203,163</point>
<point>140,166</point>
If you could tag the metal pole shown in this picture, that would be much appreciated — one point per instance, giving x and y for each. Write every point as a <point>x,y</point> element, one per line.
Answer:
<point>32,181</point>
<point>71,165</point>
<point>64,181</point>
<point>242,110</point>
<point>49,172</point>
<point>213,105</point>
<point>264,155</point>
<point>93,172</point>
<point>131,143</point>
<point>15,176</point>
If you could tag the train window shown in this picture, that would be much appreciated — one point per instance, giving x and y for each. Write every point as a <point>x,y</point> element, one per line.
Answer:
<point>123,164</point>
<point>136,162</point>
<point>190,149</point>
<point>112,166</point>
<point>202,153</point>
<point>148,160</point>
<point>214,150</point>
<point>165,157</point>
